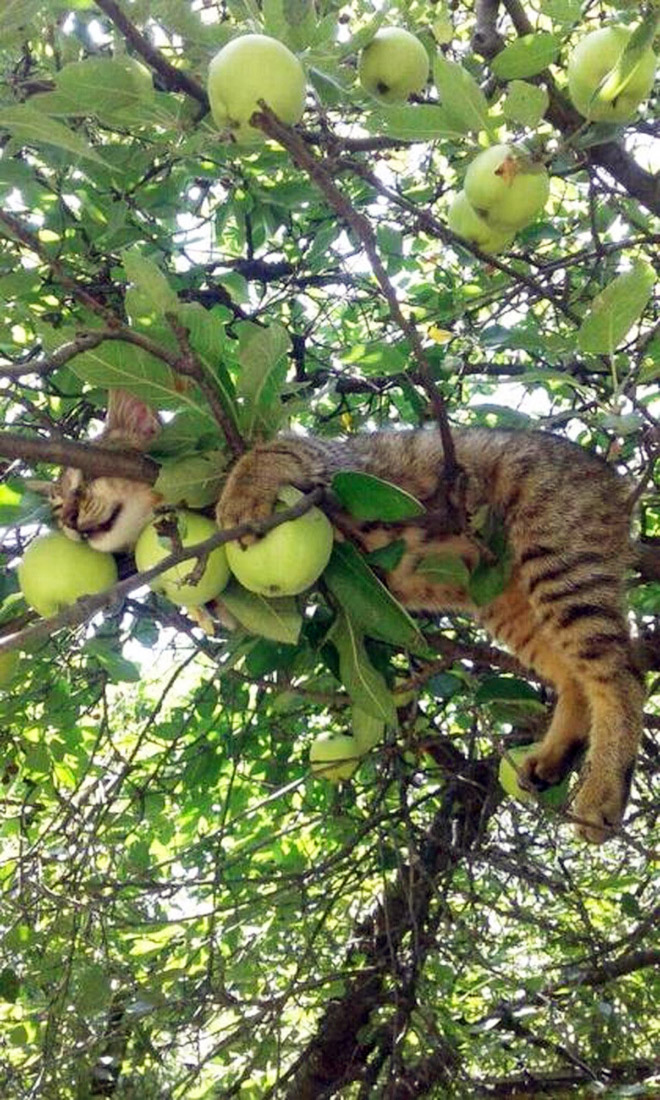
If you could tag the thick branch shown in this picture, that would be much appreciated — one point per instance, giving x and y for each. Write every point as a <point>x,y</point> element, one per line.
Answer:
<point>88,457</point>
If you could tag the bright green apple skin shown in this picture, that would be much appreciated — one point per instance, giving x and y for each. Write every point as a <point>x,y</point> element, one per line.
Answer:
<point>394,65</point>
<point>193,528</point>
<point>334,757</point>
<point>56,571</point>
<point>506,187</point>
<point>248,69</point>
<point>464,220</point>
<point>288,559</point>
<point>592,59</point>
<point>508,775</point>
<point>8,666</point>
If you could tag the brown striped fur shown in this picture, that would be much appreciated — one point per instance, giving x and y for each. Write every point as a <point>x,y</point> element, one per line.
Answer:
<point>566,514</point>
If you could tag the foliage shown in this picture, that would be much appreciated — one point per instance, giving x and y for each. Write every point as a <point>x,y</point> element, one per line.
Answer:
<point>185,910</point>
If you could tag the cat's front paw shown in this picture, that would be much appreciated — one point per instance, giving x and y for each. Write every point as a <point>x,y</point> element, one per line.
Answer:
<point>250,492</point>
<point>600,802</point>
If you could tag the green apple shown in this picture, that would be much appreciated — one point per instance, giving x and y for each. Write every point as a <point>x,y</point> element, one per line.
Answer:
<point>592,59</point>
<point>506,187</point>
<point>394,65</point>
<point>8,666</point>
<point>248,69</point>
<point>464,220</point>
<point>174,583</point>
<point>288,559</point>
<point>334,756</point>
<point>367,729</point>
<point>56,571</point>
<point>509,777</point>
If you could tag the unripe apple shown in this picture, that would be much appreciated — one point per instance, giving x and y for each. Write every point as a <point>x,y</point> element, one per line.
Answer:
<point>288,559</point>
<point>592,59</point>
<point>248,69</point>
<point>463,219</point>
<point>56,571</point>
<point>506,187</point>
<point>508,775</point>
<point>151,548</point>
<point>334,756</point>
<point>394,65</point>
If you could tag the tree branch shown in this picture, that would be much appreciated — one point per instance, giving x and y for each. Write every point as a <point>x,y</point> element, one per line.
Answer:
<point>175,79</point>
<point>317,172</point>
<point>88,457</point>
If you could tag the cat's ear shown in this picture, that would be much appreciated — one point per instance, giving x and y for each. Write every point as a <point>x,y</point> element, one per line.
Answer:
<point>130,421</point>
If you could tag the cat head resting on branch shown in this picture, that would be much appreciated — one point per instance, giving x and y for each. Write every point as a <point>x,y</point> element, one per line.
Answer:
<point>109,512</point>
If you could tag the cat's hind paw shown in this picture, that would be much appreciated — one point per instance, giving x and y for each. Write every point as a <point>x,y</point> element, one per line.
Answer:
<point>599,804</point>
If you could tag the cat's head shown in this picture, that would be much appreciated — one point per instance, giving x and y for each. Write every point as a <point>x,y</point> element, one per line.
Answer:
<point>109,512</point>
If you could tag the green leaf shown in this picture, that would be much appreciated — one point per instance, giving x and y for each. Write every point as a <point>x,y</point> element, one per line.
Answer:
<point>445,569</point>
<point>387,557</point>
<point>150,282</point>
<point>371,498</point>
<point>118,364</point>
<point>278,619</point>
<point>359,593</point>
<point>92,990</point>
<point>206,332</point>
<point>194,481</point>
<point>462,99</point>
<point>119,669</point>
<point>419,122</point>
<point>527,56</point>
<point>525,103</point>
<point>508,689</point>
<point>489,580</point>
<point>104,85</point>
<point>262,358</point>
<point>614,311</point>
<point>32,127</point>
<point>365,685</point>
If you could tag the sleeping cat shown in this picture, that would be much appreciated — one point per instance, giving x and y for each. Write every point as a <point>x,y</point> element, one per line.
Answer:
<point>566,515</point>
<point>109,512</point>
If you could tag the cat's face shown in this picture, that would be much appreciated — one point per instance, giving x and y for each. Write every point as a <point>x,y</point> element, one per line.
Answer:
<point>107,512</point>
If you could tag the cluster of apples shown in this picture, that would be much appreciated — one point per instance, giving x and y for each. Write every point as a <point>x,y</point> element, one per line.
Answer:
<point>56,571</point>
<point>504,190</point>
<point>256,67</point>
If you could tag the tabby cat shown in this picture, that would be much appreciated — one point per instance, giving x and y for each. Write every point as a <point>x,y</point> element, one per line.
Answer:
<point>566,515</point>
<point>109,512</point>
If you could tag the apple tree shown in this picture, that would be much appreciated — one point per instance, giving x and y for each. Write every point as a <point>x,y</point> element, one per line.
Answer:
<point>274,845</point>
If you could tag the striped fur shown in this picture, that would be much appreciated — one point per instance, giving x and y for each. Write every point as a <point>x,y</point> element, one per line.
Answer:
<point>566,515</point>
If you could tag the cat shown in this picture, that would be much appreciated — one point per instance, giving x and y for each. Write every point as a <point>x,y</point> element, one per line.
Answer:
<point>109,512</point>
<point>566,514</point>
